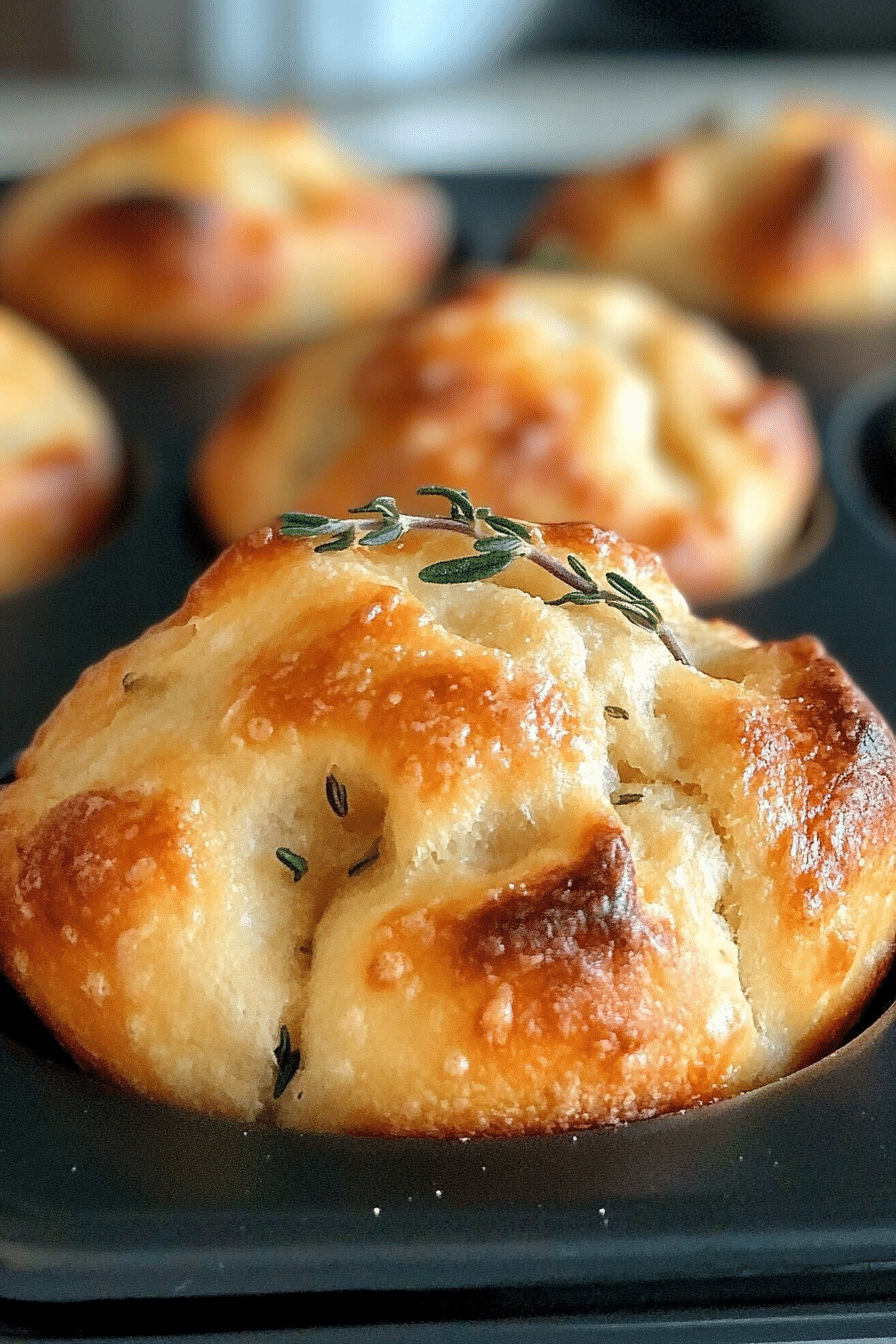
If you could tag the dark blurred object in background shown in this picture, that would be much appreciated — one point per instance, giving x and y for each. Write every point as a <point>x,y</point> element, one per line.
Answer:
<point>656,25</point>
<point>716,25</point>
<point>271,46</point>
<point>34,38</point>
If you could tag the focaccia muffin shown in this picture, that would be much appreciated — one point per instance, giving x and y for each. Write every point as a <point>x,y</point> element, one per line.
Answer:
<point>338,848</point>
<point>791,222</point>
<point>549,396</point>
<point>60,462</point>
<point>215,229</point>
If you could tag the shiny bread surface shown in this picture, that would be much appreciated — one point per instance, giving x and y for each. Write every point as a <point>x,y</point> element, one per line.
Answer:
<point>571,881</point>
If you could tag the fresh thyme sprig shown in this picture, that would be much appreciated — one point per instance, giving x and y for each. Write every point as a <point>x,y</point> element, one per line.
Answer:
<point>497,542</point>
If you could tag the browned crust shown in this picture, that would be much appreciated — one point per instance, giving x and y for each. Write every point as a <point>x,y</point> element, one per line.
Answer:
<point>354,678</point>
<point>495,938</point>
<point>78,880</point>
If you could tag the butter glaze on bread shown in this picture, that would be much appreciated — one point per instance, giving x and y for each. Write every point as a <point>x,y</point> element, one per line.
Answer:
<point>526,949</point>
<point>792,222</point>
<point>216,229</point>
<point>547,396</point>
<point>60,463</point>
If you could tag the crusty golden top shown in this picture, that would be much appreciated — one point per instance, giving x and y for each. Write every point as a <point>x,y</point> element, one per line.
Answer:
<point>59,456</point>
<point>792,222</point>
<point>215,227</point>
<point>549,396</point>
<point>570,880</point>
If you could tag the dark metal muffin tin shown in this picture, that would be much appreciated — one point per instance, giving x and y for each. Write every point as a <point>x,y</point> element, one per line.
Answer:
<point>770,1216</point>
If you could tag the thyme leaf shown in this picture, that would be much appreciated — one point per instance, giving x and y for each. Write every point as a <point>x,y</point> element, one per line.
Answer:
<point>509,525</point>
<point>628,589</point>
<point>468,568</point>
<point>294,862</point>
<point>383,504</point>
<point>289,1062</point>
<point>367,860</point>
<point>343,541</point>
<point>615,712</point>
<point>642,619</point>
<point>577,567</point>
<point>577,600</point>
<point>305,525</point>
<point>383,535</point>
<point>461,504</point>
<point>337,796</point>
<point>498,545</point>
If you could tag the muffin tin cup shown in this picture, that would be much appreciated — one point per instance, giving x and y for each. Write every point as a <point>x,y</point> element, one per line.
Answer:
<point>782,1196</point>
<point>827,363</point>
<point>160,397</point>
<point>846,594</point>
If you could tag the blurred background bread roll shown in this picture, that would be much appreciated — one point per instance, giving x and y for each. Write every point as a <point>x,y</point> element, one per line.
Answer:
<point>60,459</point>
<point>557,396</point>
<point>215,228</point>
<point>790,220</point>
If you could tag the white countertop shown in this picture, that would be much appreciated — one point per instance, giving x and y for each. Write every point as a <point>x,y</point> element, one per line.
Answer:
<point>544,115</point>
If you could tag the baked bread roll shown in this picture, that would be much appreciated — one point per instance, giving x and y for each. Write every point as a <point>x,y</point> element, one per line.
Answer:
<point>215,229</point>
<point>551,876</point>
<point>549,396</point>
<point>60,462</point>
<point>793,222</point>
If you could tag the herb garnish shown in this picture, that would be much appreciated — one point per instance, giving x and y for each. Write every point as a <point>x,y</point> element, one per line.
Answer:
<point>294,862</point>
<point>367,860</point>
<point>337,796</point>
<point>622,798</point>
<point>615,712</point>
<point>497,542</point>
<point>289,1062</point>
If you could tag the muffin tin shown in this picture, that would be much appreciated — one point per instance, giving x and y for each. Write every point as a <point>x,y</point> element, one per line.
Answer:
<point>769,1216</point>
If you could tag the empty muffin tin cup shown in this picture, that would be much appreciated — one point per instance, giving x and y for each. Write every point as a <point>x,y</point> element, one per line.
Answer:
<point>825,361</point>
<point>165,395</point>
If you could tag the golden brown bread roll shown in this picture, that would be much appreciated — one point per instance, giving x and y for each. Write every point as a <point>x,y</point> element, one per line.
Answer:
<point>555,876</point>
<point>215,228</point>
<point>549,396</point>
<point>793,222</point>
<point>60,462</point>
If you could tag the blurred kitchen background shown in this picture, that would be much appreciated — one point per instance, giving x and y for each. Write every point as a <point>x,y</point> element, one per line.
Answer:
<point>266,47</point>
<point>436,84</point>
